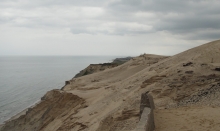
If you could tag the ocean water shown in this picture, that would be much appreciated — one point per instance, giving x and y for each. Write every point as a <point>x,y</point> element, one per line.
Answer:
<point>25,79</point>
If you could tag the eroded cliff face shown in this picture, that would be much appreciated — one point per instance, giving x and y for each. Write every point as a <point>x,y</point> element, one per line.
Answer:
<point>86,103</point>
<point>53,113</point>
<point>92,68</point>
<point>109,100</point>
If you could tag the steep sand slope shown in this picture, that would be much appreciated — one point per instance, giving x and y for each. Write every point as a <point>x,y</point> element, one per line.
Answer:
<point>92,68</point>
<point>54,112</point>
<point>101,95</point>
<point>111,98</point>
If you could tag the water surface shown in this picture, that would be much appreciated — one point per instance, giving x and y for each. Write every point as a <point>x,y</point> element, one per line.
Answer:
<point>25,79</point>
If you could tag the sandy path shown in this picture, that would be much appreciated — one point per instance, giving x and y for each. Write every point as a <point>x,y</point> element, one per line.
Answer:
<point>188,119</point>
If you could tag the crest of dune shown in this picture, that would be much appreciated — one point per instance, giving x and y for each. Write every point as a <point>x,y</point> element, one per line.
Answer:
<point>185,88</point>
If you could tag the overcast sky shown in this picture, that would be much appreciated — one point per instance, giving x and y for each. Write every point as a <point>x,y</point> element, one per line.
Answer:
<point>106,27</point>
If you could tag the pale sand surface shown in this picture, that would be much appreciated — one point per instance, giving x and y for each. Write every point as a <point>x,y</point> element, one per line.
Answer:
<point>188,119</point>
<point>109,100</point>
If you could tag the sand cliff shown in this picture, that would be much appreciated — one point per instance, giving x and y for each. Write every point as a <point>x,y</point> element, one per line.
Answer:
<point>185,88</point>
<point>93,68</point>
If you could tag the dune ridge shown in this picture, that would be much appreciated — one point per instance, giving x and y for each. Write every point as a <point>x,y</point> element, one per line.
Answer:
<point>183,86</point>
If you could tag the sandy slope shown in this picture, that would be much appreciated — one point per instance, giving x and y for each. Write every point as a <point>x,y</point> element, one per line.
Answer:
<point>188,119</point>
<point>114,97</point>
<point>110,99</point>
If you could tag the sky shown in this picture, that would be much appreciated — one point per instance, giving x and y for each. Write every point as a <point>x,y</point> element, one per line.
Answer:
<point>106,27</point>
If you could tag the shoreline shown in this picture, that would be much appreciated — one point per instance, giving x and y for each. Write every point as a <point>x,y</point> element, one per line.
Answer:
<point>23,112</point>
<point>179,92</point>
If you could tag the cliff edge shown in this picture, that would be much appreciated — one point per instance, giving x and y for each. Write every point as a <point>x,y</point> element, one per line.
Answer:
<point>185,89</point>
<point>93,68</point>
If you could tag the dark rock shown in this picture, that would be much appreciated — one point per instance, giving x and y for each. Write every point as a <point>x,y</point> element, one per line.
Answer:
<point>217,69</point>
<point>187,64</point>
<point>189,72</point>
<point>203,64</point>
<point>67,82</point>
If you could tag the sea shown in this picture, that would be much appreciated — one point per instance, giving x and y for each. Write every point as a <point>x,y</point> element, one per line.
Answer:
<point>25,79</point>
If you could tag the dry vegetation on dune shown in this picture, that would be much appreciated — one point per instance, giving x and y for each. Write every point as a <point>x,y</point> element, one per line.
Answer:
<point>185,88</point>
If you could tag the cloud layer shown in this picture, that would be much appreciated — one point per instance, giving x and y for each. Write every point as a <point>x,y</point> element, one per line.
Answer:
<point>186,20</point>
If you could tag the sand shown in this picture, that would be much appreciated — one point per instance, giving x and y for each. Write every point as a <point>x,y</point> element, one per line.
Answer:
<point>185,88</point>
<point>188,119</point>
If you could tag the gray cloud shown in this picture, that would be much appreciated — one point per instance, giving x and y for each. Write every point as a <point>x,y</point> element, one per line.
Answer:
<point>140,22</point>
<point>92,17</point>
<point>177,17</point>
<point>207,34</point>
<point>184,24</point>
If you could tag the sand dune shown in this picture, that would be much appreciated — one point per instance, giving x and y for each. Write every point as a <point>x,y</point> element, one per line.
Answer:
<point>184,87</point>
<point>195,118</point>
